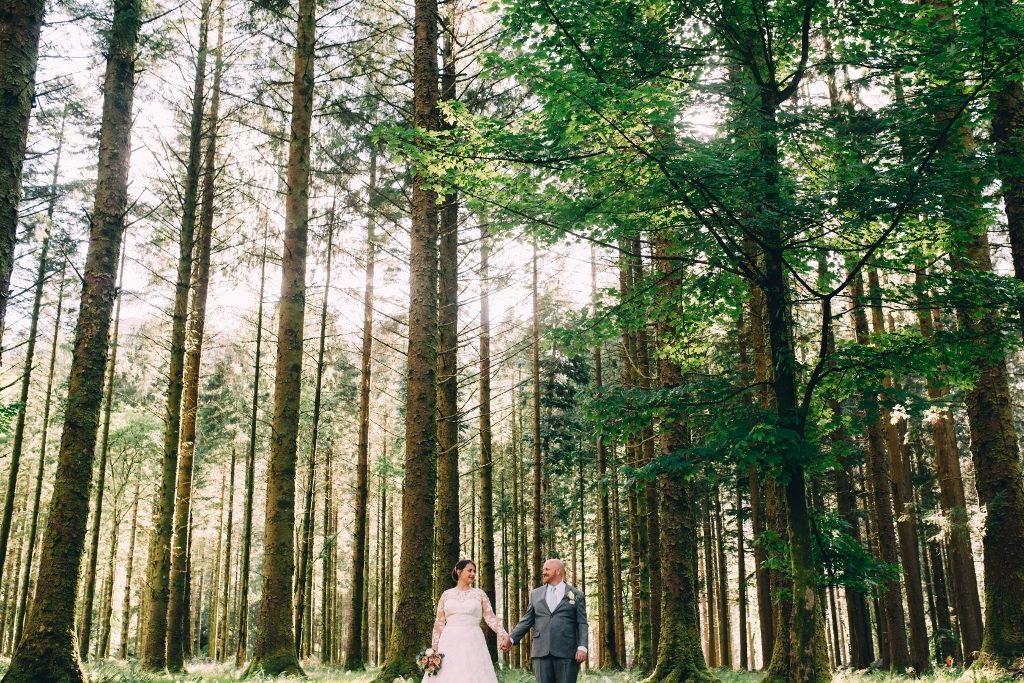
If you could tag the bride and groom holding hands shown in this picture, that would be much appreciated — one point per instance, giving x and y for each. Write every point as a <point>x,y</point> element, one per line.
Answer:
<point>556,612</point>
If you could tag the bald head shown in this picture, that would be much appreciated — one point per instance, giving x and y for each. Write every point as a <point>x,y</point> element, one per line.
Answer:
<point>554,571</point>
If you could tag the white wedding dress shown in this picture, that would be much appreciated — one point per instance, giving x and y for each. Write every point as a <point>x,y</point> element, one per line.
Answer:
<point>458,636</point>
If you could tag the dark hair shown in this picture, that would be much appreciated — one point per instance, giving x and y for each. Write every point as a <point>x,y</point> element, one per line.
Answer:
<point>459,566</point>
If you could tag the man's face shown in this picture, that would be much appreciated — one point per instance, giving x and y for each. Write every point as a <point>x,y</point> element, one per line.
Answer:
<point>551,573</point>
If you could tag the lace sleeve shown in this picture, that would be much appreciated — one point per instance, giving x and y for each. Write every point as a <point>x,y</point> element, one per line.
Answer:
<point>439,621</point>
<point>490,617</point>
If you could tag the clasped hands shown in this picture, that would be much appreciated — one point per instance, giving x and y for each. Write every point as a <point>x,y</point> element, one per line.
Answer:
<point>506,646</point>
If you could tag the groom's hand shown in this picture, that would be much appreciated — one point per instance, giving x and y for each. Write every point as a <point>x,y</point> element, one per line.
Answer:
<point>506,644</point>
<point>581,655</point>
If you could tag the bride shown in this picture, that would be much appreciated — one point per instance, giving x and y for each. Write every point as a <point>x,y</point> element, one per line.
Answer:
<point>457,632</point>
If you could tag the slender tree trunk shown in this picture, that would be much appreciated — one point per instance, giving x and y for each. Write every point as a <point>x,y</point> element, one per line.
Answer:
<point>20,28</point>
<point>896,656</point>
<point>41,468</point>
<point>327,563</point>
<point>220,563</point>
<point>741,582</point>
<point>414,611</point>
<point>219,635</point>
<point>724,627</point>
<point>608,651</point>
<point>250,469</point>
<point>274,652</point>
<point>446,533</point>
<point>711,623</point>
<point>487,573</point>
<point>761,366</point>
<point>30,347</point>
<point>620,620</point>
<point>354,646</point>
<point>103,649</point>
<point>306,553</point>
<point>903,505</point>
<point>952,499</point>
<point>49,649</point>
<point>177,609</point>
<point>126,605</point>
<point>85,627</point>
<point>538,472</point>
<point>158,565</point>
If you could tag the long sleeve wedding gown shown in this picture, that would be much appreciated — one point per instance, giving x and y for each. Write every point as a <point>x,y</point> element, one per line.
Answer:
<point>458,636</point>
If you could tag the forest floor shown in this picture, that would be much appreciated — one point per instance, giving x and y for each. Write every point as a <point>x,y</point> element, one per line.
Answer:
<point>112,671</point>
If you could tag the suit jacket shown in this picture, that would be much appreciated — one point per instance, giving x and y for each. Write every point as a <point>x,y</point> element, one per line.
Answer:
<point>557,633</point>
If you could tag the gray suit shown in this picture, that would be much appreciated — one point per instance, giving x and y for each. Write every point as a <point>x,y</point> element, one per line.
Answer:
<point>556,636</point>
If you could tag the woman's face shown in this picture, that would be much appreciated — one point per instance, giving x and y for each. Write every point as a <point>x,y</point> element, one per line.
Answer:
<point>468,573</point>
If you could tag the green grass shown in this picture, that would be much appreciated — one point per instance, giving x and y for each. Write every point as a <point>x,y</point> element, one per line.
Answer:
<point>201,671</point>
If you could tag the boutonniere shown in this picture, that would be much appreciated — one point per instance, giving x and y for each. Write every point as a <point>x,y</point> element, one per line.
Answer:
<point>571,597</point>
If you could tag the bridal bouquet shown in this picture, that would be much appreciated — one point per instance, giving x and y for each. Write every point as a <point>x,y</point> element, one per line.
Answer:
<point>429,661</point>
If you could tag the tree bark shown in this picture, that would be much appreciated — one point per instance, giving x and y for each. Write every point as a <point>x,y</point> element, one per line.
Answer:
<point>680,657</point>
<point>20,27</point>
<point>538,472</point>
<point>354,647</point>
<point>274,651</point>
<point>219,635</point>
<point>414,611</point>
<point>30,348</point>
<point>487,573</point>
<point>952,499</point>
<point>446,532</point>
<point>49,650</point>
<point>158,565</point>
<point>85,627</point>
<point>41,467</point>
<point>306,553</point>
<point>177,612</point>
<point>250,468</point>
<point>122,651</point>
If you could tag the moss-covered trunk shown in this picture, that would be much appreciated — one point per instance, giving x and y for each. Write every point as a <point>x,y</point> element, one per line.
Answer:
<point>414,609</point>
<point>20,27</point>
<point>49,650</point>
<point>158,564</point>
<point>274,651</point>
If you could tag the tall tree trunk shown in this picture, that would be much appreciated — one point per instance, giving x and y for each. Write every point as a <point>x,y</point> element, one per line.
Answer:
<point>724,626</point>
<point>761,366</point>
<point>41,467</point>
<point>711,623</point>
<point>85,627</point>
<point>741,583</point>
<point>103,649</point>
<point>122,651</point>
<point>306,553</point>
<point>158,565</point>
<point>903,503</point>
<point>20,27</point>
<point>680,657</point>
<point>250,468</point>
<point>414,610</point>
<point>354,646</point>
<point>538,473</point>
<point>30,346</point>
<point>896,655</point>
<point>620,603</point>
<point>952,498</point>
<point>997,471</point>
<point>487,573</point>
<point>220,563</point>
<point>446,532</point>
<point>274,652</point>
<point>49,649</point>
<point>177,610</point>
<point>608,651</point>
<point>219,635</point>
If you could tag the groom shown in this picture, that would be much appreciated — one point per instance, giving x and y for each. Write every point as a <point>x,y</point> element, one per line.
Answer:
<point>559,617</point>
